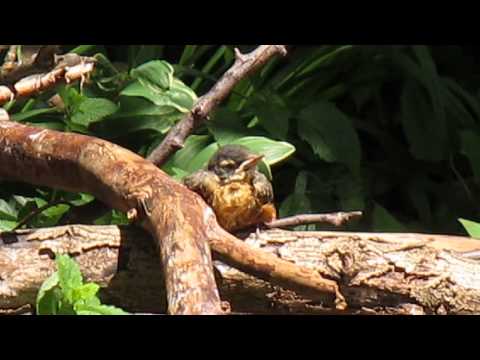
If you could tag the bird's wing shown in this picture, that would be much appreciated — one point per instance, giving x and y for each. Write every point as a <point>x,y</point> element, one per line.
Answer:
<point>202,182</point>
<point>263,188</point>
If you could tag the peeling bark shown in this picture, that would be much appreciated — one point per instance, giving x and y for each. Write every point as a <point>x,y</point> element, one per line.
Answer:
<point>378,273</point>
<point>128,183</point>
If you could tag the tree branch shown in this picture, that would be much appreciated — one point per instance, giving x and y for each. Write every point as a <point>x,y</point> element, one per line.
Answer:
<point>45,72</point>
<point>129,183</point>
<point>244,65</point>
<point>178,219</point>
<point>336,219</point>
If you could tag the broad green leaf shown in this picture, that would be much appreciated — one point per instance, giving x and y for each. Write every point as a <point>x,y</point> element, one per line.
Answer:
<point>85,292</point>
<point>7,212</point>
<point>419,198</point>
<point>187,54</point>
<point>31,113</point>
<point>201,159</point>
<point>331,134</point>
<point>472,228</point>
<point>113,217</point>
<point>178,173</point>
<point>79,199</point>
<point>298,202</point>
<point>470,147</point>
<point>7,225</point>
<point>84,49</point>
<point>384,221</point>
<point>92,110</point>
<point>71,97</point>
<point>51,125</point>
<point>47,299</point>
<point>227,126</point>
<point>124,126</point>
<point>148,52</point>
<point>272,112</point>
<point>351,194</point>
<point>470,101</point>
<point>274,151</point>
<point>426,134</point>
<point>86,309</point>
<point>214,59</point>
<point>105,219</point>
<point>456,111</point>
<point>182,158</point>
<point>133,107</point>
<point>179,96</point>
<point>159,73</point>
<point>69,275</point>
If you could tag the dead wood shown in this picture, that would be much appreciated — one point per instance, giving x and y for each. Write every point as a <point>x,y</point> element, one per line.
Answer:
<point>178,219</point>
<point>44,70</point>
<point>377,273</point>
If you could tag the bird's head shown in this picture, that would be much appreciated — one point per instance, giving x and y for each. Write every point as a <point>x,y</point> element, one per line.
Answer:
<point>234,163</point>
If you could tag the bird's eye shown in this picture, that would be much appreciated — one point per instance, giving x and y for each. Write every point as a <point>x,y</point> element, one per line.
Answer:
<point>227,164</point>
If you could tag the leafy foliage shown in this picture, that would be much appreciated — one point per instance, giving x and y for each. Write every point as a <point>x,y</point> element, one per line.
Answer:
<point>64,293</point>
<point>390,130</point>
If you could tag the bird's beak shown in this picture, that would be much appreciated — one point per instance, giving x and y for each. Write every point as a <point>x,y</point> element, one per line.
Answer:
<point>250,162</point>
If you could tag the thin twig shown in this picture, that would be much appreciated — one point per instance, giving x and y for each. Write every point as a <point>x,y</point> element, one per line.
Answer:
<point>243,66</point>
<point>336,219</point>
<point>47,71</point>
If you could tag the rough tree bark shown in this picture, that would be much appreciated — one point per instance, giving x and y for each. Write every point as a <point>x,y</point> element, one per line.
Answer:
<point>179,219</point>
<point>128,183</point>
<point>378,273</point>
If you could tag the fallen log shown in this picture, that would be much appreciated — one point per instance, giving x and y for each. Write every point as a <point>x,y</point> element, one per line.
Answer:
<point>377,273</point>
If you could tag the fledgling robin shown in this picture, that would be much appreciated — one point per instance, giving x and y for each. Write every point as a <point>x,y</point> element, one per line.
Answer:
<point>240,195</point>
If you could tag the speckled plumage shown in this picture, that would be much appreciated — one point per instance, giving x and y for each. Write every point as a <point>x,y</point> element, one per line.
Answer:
<point>241,197</point>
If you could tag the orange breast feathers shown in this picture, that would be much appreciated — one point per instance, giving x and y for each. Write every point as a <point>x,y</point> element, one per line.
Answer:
<point>237,206</point>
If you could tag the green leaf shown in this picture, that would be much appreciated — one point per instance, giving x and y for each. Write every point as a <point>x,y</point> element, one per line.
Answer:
<point>470,147</point>
<point>85,292</point>
<point>7,212</point>
<point>472,228</point>
<point>179,96</point>
<point>47,299</point>
<point>274,151</point>
<point>32,113</point>
<point>69,276</point>
<point>425,133</point>
<point>79,199</point>
<point>351,194</point>
<point>272,112</point>
<point>71,97</point>
<point>227,126</point>
<point>158,73</point>
<point>87,309</point>
<point>384,221</point>
<point>7,225</point>
<point>298,201</point>
<point>133,107</point>
<point>148,52</point>
<point>93,109</point>
<point>182,158</point>
<point>331,134</point>
<point>419,198</point>
<point>472,106</point>
<point>51,125</point>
